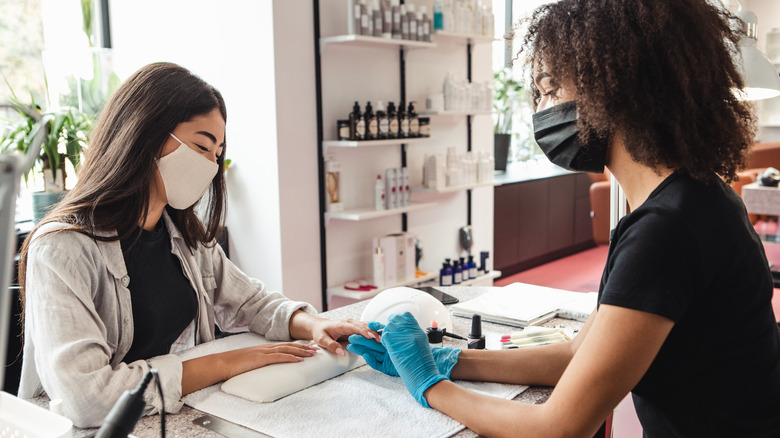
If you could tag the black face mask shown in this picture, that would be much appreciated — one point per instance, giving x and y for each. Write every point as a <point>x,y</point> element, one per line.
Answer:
<point>555,130</point>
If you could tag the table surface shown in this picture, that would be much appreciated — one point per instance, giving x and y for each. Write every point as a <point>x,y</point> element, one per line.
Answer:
<point>181,424</point>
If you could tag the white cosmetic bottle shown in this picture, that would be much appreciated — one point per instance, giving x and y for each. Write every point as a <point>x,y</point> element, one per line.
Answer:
<point>378,259</point>
<point>379,193</point>
<point>391,194</point>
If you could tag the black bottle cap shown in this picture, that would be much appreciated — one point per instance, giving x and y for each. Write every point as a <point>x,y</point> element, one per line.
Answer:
<point>356,107</point>
<point>462,260</point>
<point>411,107</point>
<point>435,335</point>
<point>476,326</point>
<point>368,107</point>
<point>471,258</point>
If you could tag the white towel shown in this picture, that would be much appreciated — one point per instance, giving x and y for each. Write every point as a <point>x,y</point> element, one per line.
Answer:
<point>358,403</point>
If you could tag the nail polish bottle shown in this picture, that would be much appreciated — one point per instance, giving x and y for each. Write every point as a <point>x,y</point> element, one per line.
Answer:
<point>435,334</point>
<point>476,339</point>
<point>445,275</point>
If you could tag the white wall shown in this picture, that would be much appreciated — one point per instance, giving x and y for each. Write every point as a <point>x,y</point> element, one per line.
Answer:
<point>230,45</point>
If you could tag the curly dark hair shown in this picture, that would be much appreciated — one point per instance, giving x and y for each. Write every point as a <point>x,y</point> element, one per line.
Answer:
<point>659,73</point>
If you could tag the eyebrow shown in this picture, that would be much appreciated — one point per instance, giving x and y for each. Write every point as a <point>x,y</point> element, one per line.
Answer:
<point>210,136</point>
<point>541,76</point>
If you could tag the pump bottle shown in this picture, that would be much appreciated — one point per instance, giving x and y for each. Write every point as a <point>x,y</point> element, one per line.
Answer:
<point>403,121</point>
<point>392,121</point>
<point>357,124</point>
<point>372,129</point>
<point>414,123</point>
<point>383,127</point>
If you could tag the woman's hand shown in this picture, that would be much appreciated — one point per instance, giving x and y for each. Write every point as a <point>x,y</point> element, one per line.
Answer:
<point>326,332</point>
<point>207,370</point>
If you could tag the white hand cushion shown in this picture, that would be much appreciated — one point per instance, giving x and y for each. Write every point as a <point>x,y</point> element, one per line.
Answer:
<point>272,382</point>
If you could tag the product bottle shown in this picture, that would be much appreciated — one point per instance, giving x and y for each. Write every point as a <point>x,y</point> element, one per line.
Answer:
<point>407,190</point>
<point>483,258</point>
<point>464,276</point>
<point>445,274</point>
<point>457,272</point>
<point>390,189</point>
<point>421,24</point>
<point>379,194</point>
<point>357,124</point>
<point>412,18</point>
<point>353,17</point>
<point>378,260</point>
<point>403,122</point>
<point>370,16</point>
<point>387,20</point>
<point>396,11</point>
<point>472,267</point>
<point>364,19</point>
<point>414,123</point>
<point>399,190</point>
<point>376,17</point>
<point>404,23</point>
<point>426,23</point>
<point>372,130</point>
<point>438,21</point>
<point>383,126</point>
<point>392,121</point>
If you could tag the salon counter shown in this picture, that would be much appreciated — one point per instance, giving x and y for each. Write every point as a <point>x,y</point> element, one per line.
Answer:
<point>181,424</point>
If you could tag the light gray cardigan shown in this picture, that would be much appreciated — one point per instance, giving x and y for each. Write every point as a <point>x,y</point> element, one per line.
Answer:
<point>79,320</point>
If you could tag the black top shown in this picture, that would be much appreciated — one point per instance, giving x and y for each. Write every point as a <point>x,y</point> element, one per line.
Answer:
<point>690,254</point>
<point>164,302</point>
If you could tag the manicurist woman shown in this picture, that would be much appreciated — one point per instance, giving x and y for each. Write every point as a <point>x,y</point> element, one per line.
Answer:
<point>684,320</point>
<point>123,273</point>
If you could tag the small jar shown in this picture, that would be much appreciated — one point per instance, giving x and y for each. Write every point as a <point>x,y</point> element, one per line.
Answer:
<point>343,129</point>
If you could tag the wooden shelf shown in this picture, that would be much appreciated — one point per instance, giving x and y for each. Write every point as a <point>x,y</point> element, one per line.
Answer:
<point>372,41</point>
<point>369,143</point>
<point>340,291</point>
<point>452,188</point>
<point>362,214</point>
<point>453,113</point>
<point>465,37</point>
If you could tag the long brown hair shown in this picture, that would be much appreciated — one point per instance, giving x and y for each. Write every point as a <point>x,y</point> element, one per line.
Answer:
<point>112,192</point>
<point>660,73</point>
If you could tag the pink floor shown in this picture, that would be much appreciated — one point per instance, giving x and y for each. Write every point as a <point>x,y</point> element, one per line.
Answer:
<point>581,272</point>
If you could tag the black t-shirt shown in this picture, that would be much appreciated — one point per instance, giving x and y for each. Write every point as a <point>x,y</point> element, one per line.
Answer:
<point>690,254</point>
<point>164,302</point>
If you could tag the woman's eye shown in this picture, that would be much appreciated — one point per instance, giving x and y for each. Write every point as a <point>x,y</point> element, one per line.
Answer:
<point>204,149</point>
<point>551,92</point>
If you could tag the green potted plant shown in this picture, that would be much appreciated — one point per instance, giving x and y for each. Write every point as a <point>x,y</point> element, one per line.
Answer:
<point>506,94</point>
<point>69,129</point>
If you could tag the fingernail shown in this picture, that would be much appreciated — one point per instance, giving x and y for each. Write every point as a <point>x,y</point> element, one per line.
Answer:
<point>314,347</point>
<point>340,352</point>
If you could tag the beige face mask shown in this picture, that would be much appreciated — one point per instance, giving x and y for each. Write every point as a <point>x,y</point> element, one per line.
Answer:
<point>186,175</point>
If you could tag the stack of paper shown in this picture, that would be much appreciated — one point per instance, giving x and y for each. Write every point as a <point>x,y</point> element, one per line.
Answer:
<point>521,304</point>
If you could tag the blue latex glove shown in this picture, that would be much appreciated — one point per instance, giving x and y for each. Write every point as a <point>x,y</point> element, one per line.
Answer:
<point>375,354</point>
<point>407,346</point>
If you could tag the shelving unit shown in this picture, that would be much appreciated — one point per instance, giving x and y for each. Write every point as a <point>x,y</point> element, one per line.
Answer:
<point>362,214</point>
<point>345,247</point>
<point>372,143</point>
<point>452,188</point>
<point>427,280</point>
<point>372,41</point>
<point>462,37</point>
<point>453,113</point>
